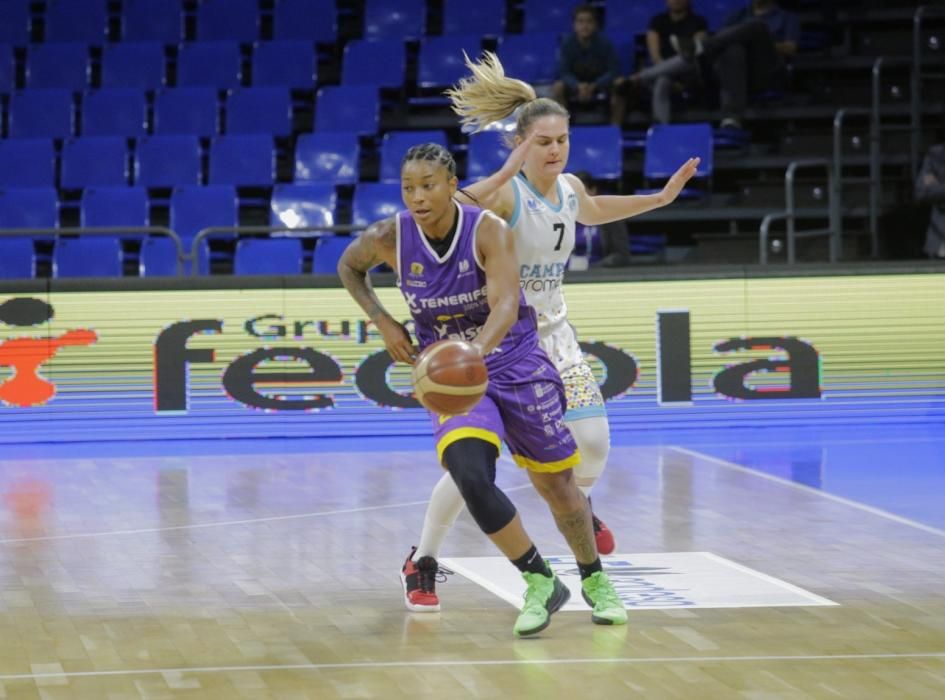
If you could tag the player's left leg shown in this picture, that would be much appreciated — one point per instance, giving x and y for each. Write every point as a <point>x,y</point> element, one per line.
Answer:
<point>586,418</point>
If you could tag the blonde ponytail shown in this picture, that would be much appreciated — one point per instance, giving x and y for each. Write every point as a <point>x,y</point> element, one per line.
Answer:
<point>487,95</point>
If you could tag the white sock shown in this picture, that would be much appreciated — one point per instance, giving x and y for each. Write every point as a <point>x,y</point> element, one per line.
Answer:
<point>446,503</point>
<point>592,436</point>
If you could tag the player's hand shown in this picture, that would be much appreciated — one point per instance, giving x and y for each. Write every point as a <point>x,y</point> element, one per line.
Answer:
<point>679,179</point>
<point>516,160</point>
<point>396,340</point>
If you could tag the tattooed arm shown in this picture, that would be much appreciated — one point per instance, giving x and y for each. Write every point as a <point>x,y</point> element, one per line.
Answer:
<point>376,245</point>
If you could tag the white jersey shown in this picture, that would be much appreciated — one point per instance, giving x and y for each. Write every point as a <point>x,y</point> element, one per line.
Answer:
<point>544,238</point>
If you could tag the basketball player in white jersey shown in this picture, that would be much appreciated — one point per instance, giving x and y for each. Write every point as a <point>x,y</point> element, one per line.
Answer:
<point>542,205</point>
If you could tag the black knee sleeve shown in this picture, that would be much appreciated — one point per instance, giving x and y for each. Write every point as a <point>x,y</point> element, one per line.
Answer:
<point>471,463</point>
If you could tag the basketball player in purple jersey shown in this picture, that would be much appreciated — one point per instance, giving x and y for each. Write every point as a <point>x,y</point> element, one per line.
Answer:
<point>458,273</point>
<point>542,206</point>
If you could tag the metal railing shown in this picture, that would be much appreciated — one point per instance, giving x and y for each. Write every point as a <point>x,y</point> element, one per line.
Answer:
<point>915,109</point>
<point>204,234</point>
<point>119,231</point>
<point>789,215</point>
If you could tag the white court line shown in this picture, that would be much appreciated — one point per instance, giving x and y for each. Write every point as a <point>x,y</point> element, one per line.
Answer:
<point>453,663</point>
<point>247,521</point>
<point>810,490</point>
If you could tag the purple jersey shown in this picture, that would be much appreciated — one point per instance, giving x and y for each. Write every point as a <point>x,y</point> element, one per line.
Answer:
<point>447,295</point>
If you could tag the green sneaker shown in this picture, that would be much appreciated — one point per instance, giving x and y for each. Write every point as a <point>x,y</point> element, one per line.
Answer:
<point>599,593</point>
<point>543,597</point>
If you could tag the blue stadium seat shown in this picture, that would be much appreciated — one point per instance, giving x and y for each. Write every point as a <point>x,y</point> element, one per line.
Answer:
<point>311,20</point>
<point>7,68</point>
<point>186,110</point>
<point>403,19</point>
<point>151,20</point>
<point>625,43</point>
<point>133,64</point>
<point>668,146</point>
<point>530,57</point>
<point>76,20</point>
<point>597,150</point>
<point>381,62</point>
<point>328,251</point>
<point>268,256</point>
<point>27,163</point>
<point>716,11</point>
<point>395,144</point>
<point>158,258</point>
<point>41,113</point>
<point>94,160</point>
<point>196,208</point>
<point>244,160</point>
<point>114,112</point>
<point>298,205</point>
<point>632,17</point>
<point>29,207</point>
<point>548,16</point>
<point>374,201</point>
<point>15,27</point>
<point>482,18</point>
<point>236,20</point>
<point>441,63</point>
<point>114,206</point>
<point>290,64</point>
<point>209,64</point>
<point>87,256</point>
<point>331,156</point>
<point>259,110</point>
<point>17,259</point>
<point>58,65</point>
<point>348,108</point>
<point>487,153</point>
<point>167,160</point>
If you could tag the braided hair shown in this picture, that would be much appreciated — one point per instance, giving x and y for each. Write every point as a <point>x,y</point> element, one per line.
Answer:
<point>436,153</point>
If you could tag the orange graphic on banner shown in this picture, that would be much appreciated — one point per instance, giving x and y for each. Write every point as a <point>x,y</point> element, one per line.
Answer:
<point>25,355</point>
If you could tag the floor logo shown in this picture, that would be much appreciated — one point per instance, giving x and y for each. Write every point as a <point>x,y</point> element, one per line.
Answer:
<point>650,581</point>
<point>27,387</point>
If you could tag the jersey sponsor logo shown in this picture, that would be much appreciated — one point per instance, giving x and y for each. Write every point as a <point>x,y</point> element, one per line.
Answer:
<point>533,205</point>
<point>546,270</point>
<point>451,300</point>
<point>463,266</point>
<point>416,269</point>
<point>572,201</point>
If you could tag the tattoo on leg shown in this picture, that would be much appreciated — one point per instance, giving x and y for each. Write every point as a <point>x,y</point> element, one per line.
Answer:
<point>579,532</point>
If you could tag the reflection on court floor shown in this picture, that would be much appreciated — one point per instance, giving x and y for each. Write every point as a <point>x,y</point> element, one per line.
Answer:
<point>269,569</point>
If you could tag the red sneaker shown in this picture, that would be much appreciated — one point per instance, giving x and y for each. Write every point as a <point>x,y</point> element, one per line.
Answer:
<point>603,536</point>
<point>419,581</point>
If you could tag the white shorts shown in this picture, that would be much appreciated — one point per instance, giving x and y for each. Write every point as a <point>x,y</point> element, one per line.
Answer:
<point>581,389</point>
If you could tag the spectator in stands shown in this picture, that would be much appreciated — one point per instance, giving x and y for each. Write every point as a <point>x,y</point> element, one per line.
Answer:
<point>614,236</point>
<point>746,56</point>
<point>749,55</point>
<point>930,189</point>
<point>588,61</point>
<point>677,28</point>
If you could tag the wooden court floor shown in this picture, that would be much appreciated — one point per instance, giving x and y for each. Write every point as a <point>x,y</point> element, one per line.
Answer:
<point>276,576</point>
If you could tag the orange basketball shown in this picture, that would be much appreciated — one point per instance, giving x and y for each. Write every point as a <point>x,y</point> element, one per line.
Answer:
<point>450,377</point>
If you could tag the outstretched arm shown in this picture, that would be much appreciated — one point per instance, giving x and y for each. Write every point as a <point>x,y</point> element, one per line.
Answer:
<point>495,191</point>
<point>376,245</point>
<point>602,209</point>
<point>496,250</point>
